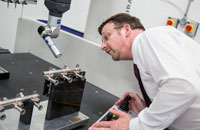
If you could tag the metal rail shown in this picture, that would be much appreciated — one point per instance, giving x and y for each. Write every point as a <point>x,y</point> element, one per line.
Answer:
<point>18,99</point>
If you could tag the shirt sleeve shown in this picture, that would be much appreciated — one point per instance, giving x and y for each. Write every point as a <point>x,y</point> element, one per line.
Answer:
<point>163,57</point>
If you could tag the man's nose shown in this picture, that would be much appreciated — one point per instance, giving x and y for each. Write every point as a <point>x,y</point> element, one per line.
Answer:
<point>103,46</point>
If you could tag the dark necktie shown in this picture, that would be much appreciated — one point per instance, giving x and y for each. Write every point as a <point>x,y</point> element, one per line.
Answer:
<point>144,94</point>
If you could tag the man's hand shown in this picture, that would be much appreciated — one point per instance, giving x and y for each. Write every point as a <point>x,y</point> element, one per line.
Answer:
<point>122,123</point>
<point>136,104</point>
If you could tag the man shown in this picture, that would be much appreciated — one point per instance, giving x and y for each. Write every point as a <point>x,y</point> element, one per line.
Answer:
<point>167,66</point>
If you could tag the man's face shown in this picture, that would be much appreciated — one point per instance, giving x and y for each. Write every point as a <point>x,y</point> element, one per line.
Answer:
<point>112,41</point>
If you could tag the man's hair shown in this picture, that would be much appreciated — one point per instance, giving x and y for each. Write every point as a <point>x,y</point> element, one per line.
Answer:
<point>121,19</point>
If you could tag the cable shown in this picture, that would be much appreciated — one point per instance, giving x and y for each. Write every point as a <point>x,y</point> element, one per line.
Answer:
<point>178,8</point>
<point>173,4</point>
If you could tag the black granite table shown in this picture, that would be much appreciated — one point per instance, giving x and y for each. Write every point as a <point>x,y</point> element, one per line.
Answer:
<point>26,73</point>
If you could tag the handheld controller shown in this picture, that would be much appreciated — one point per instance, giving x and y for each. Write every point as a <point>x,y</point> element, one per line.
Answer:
<point>108,116</point>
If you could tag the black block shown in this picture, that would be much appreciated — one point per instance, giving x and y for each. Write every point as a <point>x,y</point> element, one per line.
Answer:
<point>4,74</point>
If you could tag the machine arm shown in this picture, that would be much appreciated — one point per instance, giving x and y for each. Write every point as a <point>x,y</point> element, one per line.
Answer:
<point>56,9</point>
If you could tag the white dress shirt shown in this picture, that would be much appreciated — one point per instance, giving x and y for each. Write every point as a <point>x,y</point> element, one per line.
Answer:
<point>169,64</point>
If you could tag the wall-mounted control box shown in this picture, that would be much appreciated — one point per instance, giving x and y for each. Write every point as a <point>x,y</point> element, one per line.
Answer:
<point>172,22</point>
<point>191,28</point>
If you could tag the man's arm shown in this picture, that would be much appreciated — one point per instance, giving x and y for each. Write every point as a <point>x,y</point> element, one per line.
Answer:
<point>161,56</point>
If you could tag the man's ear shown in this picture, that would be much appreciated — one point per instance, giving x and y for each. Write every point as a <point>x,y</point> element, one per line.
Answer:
<point>126,30</point>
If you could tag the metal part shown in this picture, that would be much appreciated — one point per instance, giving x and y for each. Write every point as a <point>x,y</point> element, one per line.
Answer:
<point>46,35</point>
<point>20,94</point>
<point>22,111</point>
<point>54,26</point>
<point>31,1</point>
<point>65,70</point>
<point>63,73</point>
<point>36,102</point>
<point>80,76</point>
<point>68,122</point>
<point>56,9</point>
<point>18,99</point>
<point>40,107</point>
<point>183,21</point>
<point>48,77</point>
<point>188,6</point>
<point>23,2</point>
<point>67,78</point>
<point>2,116</point>
<point>18,104</point>
<point>52,47</point>
<point>1,108</point>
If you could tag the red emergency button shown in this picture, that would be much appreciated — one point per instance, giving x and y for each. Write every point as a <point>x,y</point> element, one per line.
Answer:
<point>189,28</point>
<point>170,22</point>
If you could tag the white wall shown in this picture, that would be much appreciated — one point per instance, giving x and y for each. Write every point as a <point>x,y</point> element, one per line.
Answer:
<point>8,25</point>
<point>151,12</point>
<point>114,77</point>
<point>75,18</point>
<point>98,12</point>
<point>155,12</point>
